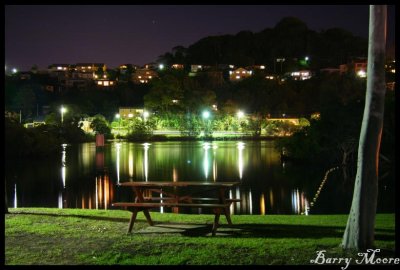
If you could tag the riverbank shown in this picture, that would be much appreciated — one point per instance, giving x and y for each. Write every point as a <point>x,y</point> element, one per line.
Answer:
<point>43,236</point>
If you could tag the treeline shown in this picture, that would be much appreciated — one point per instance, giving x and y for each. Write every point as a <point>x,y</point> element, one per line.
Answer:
<point>290,39</point>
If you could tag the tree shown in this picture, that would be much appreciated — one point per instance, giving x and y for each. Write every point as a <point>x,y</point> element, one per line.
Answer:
<point>100,125</point>
<point>359,233</point>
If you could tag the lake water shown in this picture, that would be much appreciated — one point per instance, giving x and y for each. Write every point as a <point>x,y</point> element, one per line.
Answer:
<point>86,177</point>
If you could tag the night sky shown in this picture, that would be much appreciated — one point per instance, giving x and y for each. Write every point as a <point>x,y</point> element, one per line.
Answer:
<point>115,35</point>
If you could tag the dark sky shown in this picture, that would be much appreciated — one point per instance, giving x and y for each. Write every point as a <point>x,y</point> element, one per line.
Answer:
<point>135,34</point>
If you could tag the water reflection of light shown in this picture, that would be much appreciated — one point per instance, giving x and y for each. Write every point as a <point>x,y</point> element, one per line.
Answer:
<point>206,146</point>
<point>296,207</point>
<point>130,163</point>
<point>238,195</point>
<point>104,192</point>
<point>161,201</point>
<point>271,198</point>
<point>146,160</point>
<point>15,196</point>
<point>174,174</point>
<point>118,148</point>
<point>240,146</point>
<point>231,207</point>
<point>96,196</point>
<point>250,202</point>
<point>63,164</point>
<point>214,170</point>
<point>262,204</point>
<point>60,200</point>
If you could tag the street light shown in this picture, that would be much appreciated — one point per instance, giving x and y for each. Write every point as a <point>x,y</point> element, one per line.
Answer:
<point>145,115</point>
<point>206,114</point>
<point>118,116</point>
<point>240,114</point>
<point>62,110</point>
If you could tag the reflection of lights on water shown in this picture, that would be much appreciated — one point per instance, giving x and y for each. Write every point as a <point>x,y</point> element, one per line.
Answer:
<point>299,202</point>
<point>206,146</point>
<point>15,196</point>
<point>231,206</point>
<point>271,198</point>
<point>97,196</point>
<point>146,147</point>
<point>262,204</point>
<point>161,201</point>
<point>294,201</point>
<point>63,175</point>
<point>251,202</point>
<point>103,192</point>
<point>174,174</point>
<point>63,164</point>
<point>130,163</point>
<point>118,148</point>
<point>214,170</point>
<point>240,146</point>
<point>106,189</point>
<point>60,200</point>
<point>238,195</point>
<point>306,208</point>
<point>283,165</point>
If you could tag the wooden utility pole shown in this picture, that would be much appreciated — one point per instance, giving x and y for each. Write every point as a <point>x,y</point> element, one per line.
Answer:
<point>359,233</point>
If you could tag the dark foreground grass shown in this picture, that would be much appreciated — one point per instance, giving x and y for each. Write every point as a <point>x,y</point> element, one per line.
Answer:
<point>74,236</point>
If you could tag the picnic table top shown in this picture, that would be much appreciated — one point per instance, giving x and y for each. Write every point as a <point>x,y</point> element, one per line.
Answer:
<point>177,184</point>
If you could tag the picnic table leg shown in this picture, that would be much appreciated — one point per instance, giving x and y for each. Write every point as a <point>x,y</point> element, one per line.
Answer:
<point>139,196</point>
<point>132,220</point>
<point>216,219</point>
<point>223,200</point>
<point>147,215</point>
<point>228,215</point>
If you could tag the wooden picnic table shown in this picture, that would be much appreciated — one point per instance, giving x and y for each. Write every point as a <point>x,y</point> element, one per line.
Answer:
<point>176,194</point>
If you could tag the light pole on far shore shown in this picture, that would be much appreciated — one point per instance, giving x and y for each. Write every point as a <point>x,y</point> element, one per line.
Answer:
<point>62,110</point>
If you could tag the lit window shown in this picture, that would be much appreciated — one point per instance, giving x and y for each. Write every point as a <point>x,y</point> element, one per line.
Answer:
<point>130,115</point>
<point>106,83</point>
<point>237,77</point>
<point>139,77</point>
<point>59,68</point>
<point>262,67</point>
<point>150,77</point>
<point>237,72</point>
<point>111,83</point>
<point>230,72</point>
<point>100,83</point>
<point>89,67</point>
<point>243,72</point>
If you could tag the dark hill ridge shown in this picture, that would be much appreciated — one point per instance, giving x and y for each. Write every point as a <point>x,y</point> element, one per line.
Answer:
<point>289,39</point>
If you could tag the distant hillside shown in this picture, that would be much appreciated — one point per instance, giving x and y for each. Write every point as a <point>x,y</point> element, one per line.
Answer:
<point>289,39</point>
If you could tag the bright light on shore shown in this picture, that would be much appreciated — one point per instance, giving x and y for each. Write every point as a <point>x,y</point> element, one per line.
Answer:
<point>240,114</point>
<point>206,114</point>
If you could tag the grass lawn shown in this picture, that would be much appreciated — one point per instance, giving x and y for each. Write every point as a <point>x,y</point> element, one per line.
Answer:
<point>77,236</point>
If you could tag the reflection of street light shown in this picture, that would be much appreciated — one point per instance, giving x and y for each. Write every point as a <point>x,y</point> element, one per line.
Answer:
<point>62,110</point>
